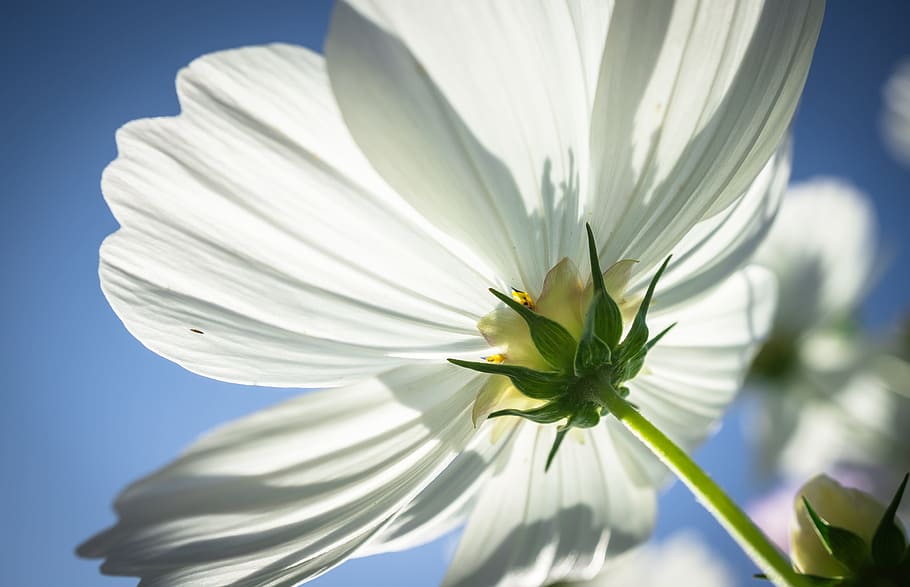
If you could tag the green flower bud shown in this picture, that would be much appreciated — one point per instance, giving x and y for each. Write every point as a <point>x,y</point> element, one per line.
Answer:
<point>836,529</point>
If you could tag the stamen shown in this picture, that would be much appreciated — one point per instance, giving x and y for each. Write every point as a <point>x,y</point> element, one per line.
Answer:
<point>523,298</point>
<point>497,358</point>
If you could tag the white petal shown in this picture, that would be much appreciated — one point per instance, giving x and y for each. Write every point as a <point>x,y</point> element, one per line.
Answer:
<point>822,250</point>
<point>694,372</point>
<point>723,243</point>
<point>477,113</point>
<point>683,560</point>
<point>694,98</point>
<point>896,119</point>
<point>292,491</point>
<point>253,218</point>
<point>532,527</point>
<point>445,503</point>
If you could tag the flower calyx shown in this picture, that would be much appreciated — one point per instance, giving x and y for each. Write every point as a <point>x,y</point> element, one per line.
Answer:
<point>575,370</point>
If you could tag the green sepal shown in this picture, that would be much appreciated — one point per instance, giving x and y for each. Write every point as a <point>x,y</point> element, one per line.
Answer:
<point>597,276</point>
<point>845,546</point>
<point>560,434</point>
<point>889,545</point>
<point>606,316</point>
<point>593,352</point>
<point>546,414</point>
<point>637,337</point>
<point>587,417</point>
<point>552,340</point>
<point>534,384</point>
<point>631,367</point>
<point>650,344</point>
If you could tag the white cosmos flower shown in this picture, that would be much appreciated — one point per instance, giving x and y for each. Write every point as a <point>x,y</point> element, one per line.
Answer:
<point>896,117</point>
<point>313,222</point>
<point>829,394</point>
<point>683,560</point>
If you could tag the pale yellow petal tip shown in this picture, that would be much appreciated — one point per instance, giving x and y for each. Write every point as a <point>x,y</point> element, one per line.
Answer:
<point>561,296</point>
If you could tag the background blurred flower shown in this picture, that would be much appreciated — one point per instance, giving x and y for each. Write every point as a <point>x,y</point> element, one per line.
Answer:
<point>682,560</point>
<point>829,392</point>
<point>260,245</point>
<point>896,116</point>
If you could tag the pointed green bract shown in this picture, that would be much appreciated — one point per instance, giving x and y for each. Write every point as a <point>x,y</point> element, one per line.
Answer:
<point>849,549</point>
<point>597,276</point>
<point>638,333</point>
<point>585,418</point>
<point>632,366</point>
<point>547,414</point>
<point>534,384</point>
<point>560,434</point>
<point>552,340</point>
<point>604,313</point>
<point>592,351</point>
<point>889,545</point>
<point>650,344</point>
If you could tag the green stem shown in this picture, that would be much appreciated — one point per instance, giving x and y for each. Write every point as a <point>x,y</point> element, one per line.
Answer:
<point>775,566</point>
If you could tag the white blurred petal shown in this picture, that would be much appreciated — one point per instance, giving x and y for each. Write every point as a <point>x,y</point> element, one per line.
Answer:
<point>896,118</point>
<point>822,250</point>
<point>683,560</point>
<point>861,422</point>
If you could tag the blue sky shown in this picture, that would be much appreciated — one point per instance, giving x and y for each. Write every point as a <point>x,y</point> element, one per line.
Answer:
<point>87,408</point>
